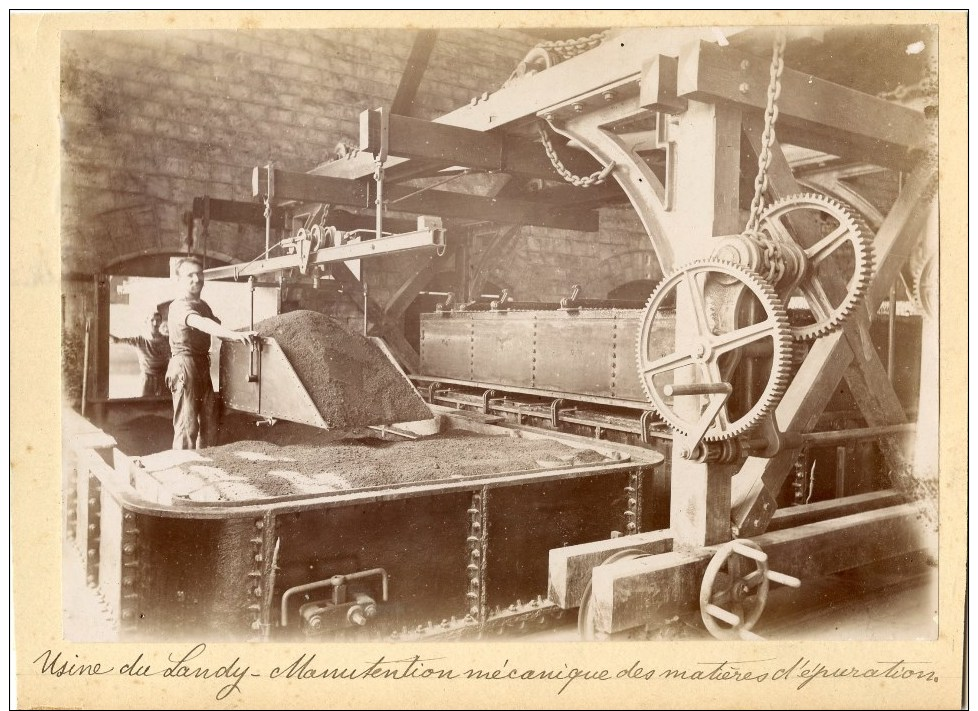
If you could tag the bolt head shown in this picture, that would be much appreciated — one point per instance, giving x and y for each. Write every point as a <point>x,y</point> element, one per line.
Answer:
<point>745,65</point>
<point>578,108</point>
<point>744,88</point>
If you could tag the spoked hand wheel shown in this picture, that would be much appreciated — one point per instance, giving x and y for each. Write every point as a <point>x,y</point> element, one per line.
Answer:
<point>585,615</point>
<point>735,589</point>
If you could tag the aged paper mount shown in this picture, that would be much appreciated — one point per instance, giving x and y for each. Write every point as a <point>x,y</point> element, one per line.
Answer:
<point>613,674</point>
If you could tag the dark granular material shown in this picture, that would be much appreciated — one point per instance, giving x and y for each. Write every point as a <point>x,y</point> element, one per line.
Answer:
<point>349,379</point>
<point>258,469</point>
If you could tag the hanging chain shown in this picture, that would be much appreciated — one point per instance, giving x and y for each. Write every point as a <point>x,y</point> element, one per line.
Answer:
<point>565,49</point>
<point>767,139</point>
<point>580,181</point>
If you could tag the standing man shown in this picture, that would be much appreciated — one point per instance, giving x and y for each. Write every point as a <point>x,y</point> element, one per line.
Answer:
<point>191,324</point>
<point>153,352</point>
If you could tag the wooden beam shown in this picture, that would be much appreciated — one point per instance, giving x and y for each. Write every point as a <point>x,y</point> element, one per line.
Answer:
<point>408,290</point>
<point>311,188</point>
<point>408,358</point>
<point>306,187</point>
<point>834,508</point>
<point>445,145</point>
<point>493,252</point>
<point>657,89</point>
<point>640,591</point>
<point>234,211</point>
<point>707,203</point>
<point>811,110</point>
<point>873,392</point>
<point>571,566</point>
<point>414,69</point>
<point>830,356</point>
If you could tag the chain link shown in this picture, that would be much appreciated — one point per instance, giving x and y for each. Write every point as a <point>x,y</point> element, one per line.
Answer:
<point>565,49</point>
<point>580,181</point>
<point>767,138</point>
<point>773,257</point>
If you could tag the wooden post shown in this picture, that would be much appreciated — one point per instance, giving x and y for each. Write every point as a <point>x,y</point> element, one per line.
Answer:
<point>707,197</point>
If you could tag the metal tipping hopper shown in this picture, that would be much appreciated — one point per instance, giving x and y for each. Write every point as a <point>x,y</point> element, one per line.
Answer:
<point>261,380</point>
<point>307,368</point>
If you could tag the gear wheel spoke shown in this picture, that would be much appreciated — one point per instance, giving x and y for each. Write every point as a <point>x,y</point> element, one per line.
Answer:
<point>698,303</point>
<point>670,362</point>
<point>745,336</point>
<point>706,372</point>
<point>818,300</point>
<point>827,245</point>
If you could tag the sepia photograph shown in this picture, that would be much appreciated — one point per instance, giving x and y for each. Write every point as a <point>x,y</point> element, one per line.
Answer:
<point>411,355</point>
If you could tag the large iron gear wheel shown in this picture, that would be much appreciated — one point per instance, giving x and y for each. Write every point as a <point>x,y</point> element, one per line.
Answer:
<point>736,316</point>
<point>924,279</point>
<point>838,267</point>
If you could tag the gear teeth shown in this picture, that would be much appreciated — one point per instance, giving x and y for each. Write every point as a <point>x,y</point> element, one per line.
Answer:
<point>862,245</point>
<point>781,366</point>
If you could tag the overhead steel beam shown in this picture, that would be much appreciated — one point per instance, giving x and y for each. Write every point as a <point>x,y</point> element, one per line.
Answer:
<point>812,112</point>
<point>306,187</point>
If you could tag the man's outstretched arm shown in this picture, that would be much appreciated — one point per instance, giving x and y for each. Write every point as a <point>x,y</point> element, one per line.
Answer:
<point>207,325</point>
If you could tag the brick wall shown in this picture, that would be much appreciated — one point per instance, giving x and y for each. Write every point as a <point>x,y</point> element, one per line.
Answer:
<point>151,120</point>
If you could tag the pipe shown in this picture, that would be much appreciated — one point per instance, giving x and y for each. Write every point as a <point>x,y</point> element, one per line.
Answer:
<point>332,582</point>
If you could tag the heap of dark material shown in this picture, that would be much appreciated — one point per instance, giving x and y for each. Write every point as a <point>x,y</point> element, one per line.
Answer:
<point>349,379</point>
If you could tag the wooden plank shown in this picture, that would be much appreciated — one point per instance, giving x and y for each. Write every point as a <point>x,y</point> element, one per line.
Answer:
<point>657,89</point>
<point>443,203</point>
<point>833,508</point>
<point>636,592</point>
<point>807,105</point>
<point>571,566</point>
